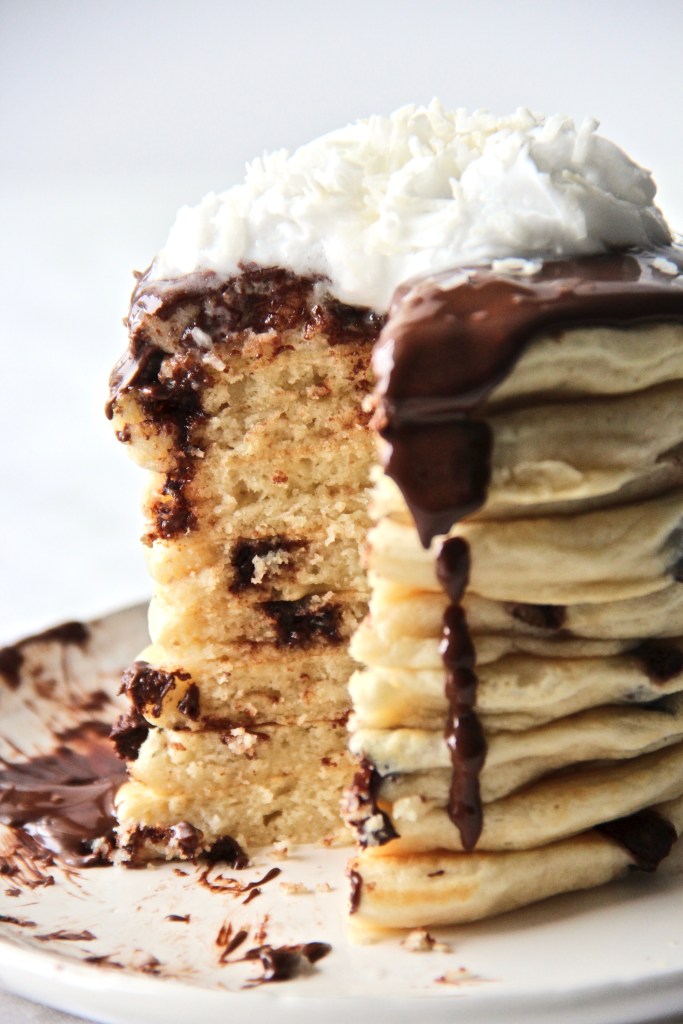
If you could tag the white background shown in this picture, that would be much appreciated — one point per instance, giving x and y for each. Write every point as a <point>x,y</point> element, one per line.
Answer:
<point>112,114</point>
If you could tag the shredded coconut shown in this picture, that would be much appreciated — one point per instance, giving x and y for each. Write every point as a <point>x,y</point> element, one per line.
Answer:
<point>390,198</point>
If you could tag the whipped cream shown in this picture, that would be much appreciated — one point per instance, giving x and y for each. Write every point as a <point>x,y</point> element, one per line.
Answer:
<point>390,198</point>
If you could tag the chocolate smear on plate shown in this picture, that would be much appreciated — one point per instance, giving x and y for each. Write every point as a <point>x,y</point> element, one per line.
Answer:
<point>65,800</point>
<point>280,963</point>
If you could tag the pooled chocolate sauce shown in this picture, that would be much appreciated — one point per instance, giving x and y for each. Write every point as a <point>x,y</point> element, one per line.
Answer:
<point>647,836</point>
<point>65,800</point>
<point>448,343</point>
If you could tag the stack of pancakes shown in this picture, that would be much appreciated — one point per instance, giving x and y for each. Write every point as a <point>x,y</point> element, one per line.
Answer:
<point>243,398</point>
<point>519,715</point>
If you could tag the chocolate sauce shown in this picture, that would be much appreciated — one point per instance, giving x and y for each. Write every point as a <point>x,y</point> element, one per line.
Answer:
<point>168,385</point>
<point>65,800</point>
<point>464,733</point>
<point>230,942</point>
<point>355,891</point>
<point>189,704</point>
<point>443,470</point>
<point>647,836</point>
<point>284,962</point>
<point>453,567</point>
<point>168,391</point>
<point>74,633</point>
<point>233,886</point>
<point>62,935</point>
<point>12,658</point>
<point>227,850</point>
<point>190,842</point>
<point>361,803</point>
<point>661,661</point>
<point>448,343</point>
<point>257,300</point>
<point>11,661</point>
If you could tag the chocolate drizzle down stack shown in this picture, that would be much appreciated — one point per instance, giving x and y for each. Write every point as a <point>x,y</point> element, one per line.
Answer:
<point>449,342</point>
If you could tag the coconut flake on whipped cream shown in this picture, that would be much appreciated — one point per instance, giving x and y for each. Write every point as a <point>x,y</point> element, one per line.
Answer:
<point>390,198</point>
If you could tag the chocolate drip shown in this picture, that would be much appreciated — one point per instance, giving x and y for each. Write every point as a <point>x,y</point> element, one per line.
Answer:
<point>449,345</point>
<point>186,838</point>
<point>76,633</point>
<point>453,568</point>
<point>443,470</point>
<point>65,800</point>
<point>647,836</point>
<point>464,734</point>
<point>356,890</point>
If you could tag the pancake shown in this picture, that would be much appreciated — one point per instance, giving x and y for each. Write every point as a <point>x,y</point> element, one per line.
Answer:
<point>523,652</point>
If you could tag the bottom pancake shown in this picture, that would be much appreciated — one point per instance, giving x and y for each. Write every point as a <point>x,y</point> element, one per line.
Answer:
<point>395,890</point>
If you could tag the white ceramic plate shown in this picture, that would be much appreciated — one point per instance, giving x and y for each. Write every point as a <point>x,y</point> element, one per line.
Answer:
<point>611,956</point>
